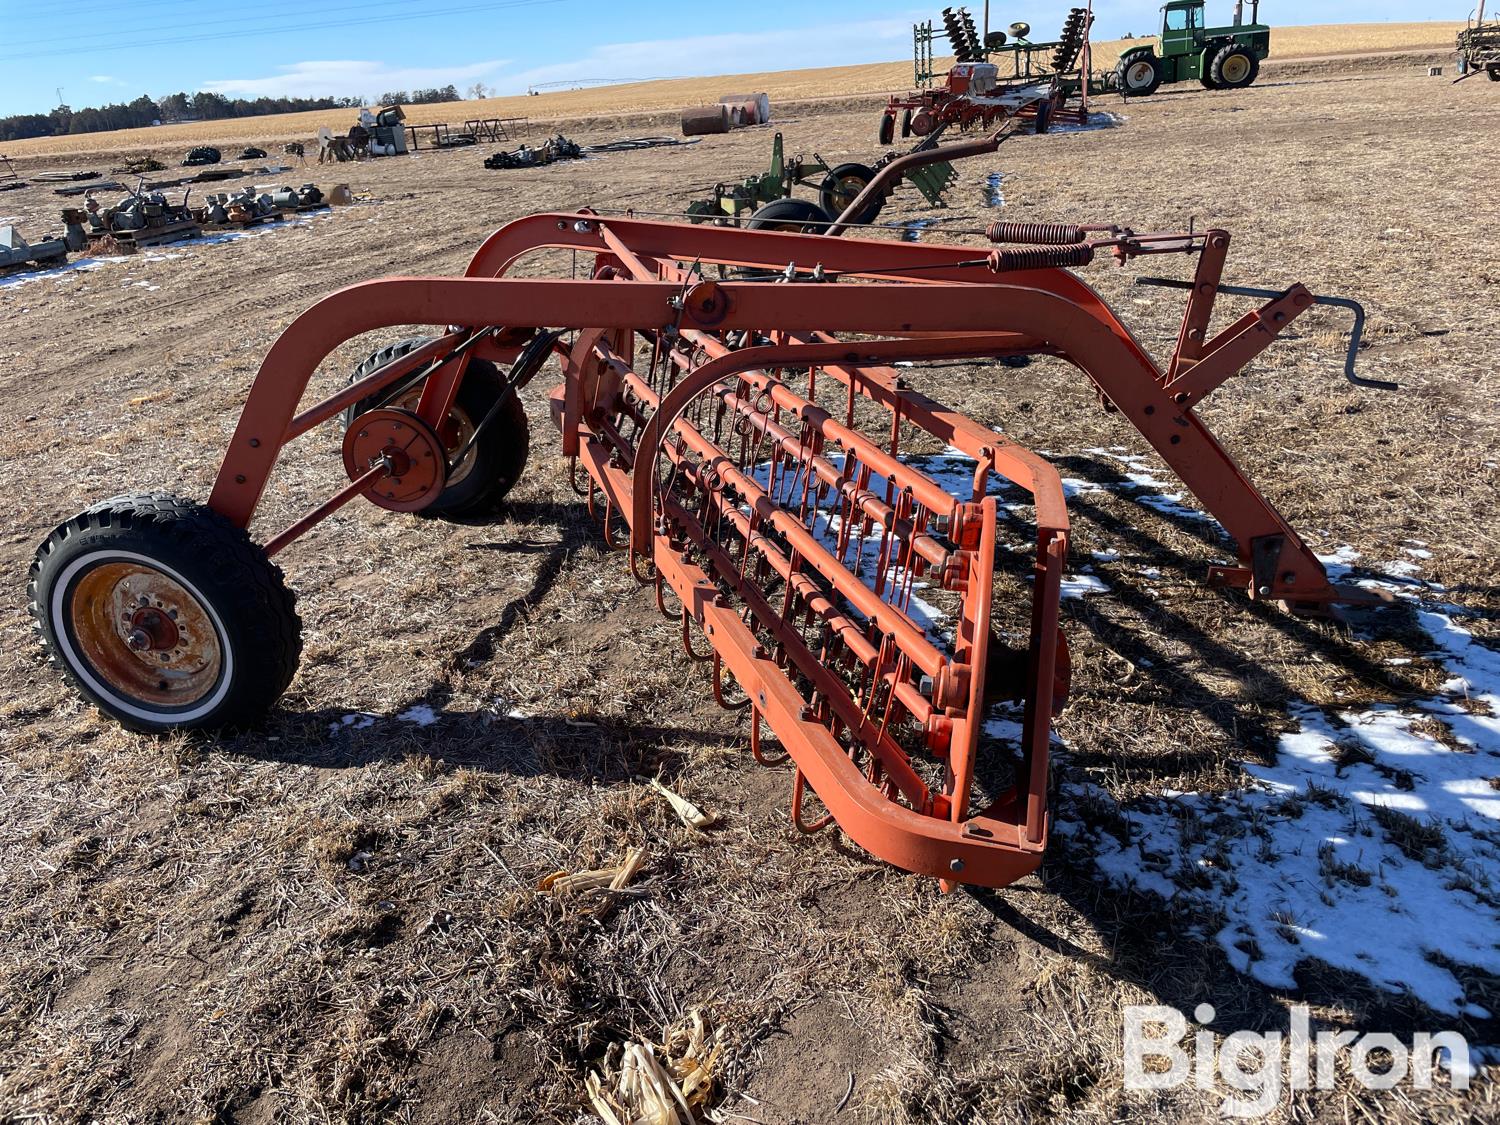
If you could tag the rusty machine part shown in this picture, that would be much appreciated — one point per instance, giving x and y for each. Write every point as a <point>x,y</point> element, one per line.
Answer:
<point>142,218</point>
<point>993,80</point>
<point>755,454</point>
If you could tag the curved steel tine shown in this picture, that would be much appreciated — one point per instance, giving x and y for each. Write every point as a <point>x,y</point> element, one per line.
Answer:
<point>687,640</point>
<point>609,540</point>
<point>755,750</point>
<point>799,783</point>
<point>573,476</point>
<point>719,688</point>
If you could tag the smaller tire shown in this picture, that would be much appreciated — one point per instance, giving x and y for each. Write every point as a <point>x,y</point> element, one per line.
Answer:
<point>1234,68</point>
<point>1043,120</point>
<point>1139,75</point>
<point>842,186</point>
<point>479,483</point>
<point>887,130</point>
<point>1493,74</point>
<point>906,125</point>
<point>800,216</point>
<point>165,615</point>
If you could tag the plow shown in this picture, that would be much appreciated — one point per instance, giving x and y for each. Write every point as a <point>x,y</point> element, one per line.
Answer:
<point>754,446</point>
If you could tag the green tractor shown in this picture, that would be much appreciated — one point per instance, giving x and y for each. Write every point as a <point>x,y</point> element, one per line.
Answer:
<point>1222,58</point>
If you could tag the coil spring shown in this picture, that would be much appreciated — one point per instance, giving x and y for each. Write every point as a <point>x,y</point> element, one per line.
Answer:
<point>1036,234</point>
<point>1042,257</point>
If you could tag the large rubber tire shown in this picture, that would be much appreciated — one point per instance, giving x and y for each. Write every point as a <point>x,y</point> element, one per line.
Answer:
<point>886,133</point>
<point>1207,82</point>
<point>799,215</point>
<point>1493,74</point>
<point>838,190</point>
<point>215,628</point>
<point>480,482</point>
<point>1234,68</point>
<point>1138,76</point>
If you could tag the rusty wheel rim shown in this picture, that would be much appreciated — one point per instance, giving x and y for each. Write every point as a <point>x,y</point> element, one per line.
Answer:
<point>143,635</point>
<point>846,190</point>
<point>457,428</point>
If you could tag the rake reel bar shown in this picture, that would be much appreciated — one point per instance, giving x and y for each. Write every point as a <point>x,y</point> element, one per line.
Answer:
<point>755,439</point>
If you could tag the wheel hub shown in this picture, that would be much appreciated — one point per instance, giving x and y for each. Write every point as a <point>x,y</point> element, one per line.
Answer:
<point>413,453</point>
<point>144,634</point>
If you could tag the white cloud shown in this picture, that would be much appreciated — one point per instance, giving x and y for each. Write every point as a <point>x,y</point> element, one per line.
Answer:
<point>352,77</point>
<point>105,79</point>
<point>729,53</point>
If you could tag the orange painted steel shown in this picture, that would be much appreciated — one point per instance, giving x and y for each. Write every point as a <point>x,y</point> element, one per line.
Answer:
<point>727,422</point>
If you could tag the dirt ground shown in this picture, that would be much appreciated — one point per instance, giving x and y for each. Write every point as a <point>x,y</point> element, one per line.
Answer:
<point>333,917</point>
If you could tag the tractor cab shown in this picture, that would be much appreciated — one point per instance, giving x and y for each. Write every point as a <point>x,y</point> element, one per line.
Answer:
<point>1181,26</point>
<point>1221,58</point>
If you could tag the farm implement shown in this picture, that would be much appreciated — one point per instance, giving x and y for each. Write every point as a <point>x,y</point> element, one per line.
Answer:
<point>994,79</point>
<point>750,446</point>
<point>1479,48</point>
<point>767,196</point>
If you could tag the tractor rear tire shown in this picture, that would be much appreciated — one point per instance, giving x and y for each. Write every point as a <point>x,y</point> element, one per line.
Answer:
<point>842,185</point>
<point>165,615</point>
<point>801,216</point>
<point>887,131</point>
<point>477,485</point>
<point>1138,77</point>
<point>1234,68</point>
<point>1207,81</point>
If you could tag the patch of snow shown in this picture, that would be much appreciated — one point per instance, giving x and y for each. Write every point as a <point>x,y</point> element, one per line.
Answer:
<point>15,281</point>
<point>911,229</point>
<point>421,714</point>
<point>1079,585</point>
<point>1372,844</point>
<point>357,720</point>
<point>994,190</point>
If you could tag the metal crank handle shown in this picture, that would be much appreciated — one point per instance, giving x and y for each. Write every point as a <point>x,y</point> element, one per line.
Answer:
<point>1355,332</point>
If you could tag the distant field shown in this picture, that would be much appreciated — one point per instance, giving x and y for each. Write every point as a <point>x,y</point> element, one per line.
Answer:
<point>787,85</point>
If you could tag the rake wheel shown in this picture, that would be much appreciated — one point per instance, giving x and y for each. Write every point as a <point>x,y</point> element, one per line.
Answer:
<point>479,482</point>
<point>165,615</point>
<point>842,186</point>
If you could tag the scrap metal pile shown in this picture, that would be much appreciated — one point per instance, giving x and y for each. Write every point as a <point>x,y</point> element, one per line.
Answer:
<point>142,218</point>
<point>16,253</point>
<point>745,444</point>
<point>528,156</point>
<point>993,80</point>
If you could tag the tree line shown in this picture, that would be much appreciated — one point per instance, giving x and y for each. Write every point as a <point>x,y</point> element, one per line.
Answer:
<point>202,106</point>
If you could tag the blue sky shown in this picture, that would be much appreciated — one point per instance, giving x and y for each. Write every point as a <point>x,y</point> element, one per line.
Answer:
<point>313,47</point>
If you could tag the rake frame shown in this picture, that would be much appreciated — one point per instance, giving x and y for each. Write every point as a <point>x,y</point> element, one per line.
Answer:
<point>727,339</point>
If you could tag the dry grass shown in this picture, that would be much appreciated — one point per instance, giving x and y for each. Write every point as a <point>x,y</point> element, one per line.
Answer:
<point>303,924</point>
<point>1287,43</point>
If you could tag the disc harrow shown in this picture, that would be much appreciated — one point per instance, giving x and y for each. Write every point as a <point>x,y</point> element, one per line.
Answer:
<point>733,414</point>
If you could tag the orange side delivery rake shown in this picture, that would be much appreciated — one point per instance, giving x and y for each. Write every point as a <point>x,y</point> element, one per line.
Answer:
<point>744,437</point>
